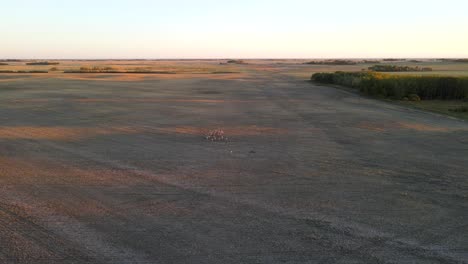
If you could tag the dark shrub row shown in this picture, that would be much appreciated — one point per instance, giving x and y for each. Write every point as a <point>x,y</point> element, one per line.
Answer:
<point>236,61</point>
<point>341,62</point>
<point>395,68</point>
<point>95,69</point>
<point>461,109</point>
<point>32,71</point>
<point>121,72</point>
<point>455,60</point>
<point>9,71</point>
<point>399,87</point>
<point>42,63</point>
<point>370,61</point>
<point>332,62</point>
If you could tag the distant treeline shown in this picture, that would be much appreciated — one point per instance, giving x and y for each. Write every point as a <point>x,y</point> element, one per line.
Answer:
<point>455,60</point>
<point>97,69</point>
<point>332,62</point>
<point>236,62</point>
<point>341,62</point>
<point>370,61</point>
<point>42,63</point>
<point>395,68</point>
<point>399,87</point>
<point>9,71</point>
<point>2,63</point>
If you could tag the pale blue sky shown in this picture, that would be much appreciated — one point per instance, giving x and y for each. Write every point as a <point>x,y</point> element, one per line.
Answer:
<point>232,29</point>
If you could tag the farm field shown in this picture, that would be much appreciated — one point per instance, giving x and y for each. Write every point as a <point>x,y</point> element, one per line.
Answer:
<point>116,167</point>
<point>444,107</point>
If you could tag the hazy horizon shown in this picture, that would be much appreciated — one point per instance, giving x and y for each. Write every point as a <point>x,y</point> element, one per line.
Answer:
<point>227,58</point>
<point>209,29</point>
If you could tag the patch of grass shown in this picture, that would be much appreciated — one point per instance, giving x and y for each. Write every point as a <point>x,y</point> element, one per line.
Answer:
<point>414,97</point>
<point>95,69</point>
<point>152,72</point>
<point>148,70</point>
<point>458,109</point>
<point>141,69</point>
<point>223,72</point>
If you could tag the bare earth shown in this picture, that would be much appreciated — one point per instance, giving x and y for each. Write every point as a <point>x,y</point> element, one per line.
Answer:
<point>116,169</point>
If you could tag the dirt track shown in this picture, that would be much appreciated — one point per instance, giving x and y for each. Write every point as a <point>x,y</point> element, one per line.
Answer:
<point>119,172</point>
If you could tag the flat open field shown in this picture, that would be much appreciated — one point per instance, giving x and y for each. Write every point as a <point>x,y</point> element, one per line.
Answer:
<point>115,168</point>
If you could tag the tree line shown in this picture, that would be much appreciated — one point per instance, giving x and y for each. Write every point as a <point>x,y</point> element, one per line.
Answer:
<point>399,87</point>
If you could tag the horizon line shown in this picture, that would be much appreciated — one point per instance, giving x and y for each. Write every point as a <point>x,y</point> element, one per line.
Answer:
<point>232,58</point>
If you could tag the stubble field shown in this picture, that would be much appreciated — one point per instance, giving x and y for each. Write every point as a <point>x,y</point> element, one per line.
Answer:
<point>116,168</point>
